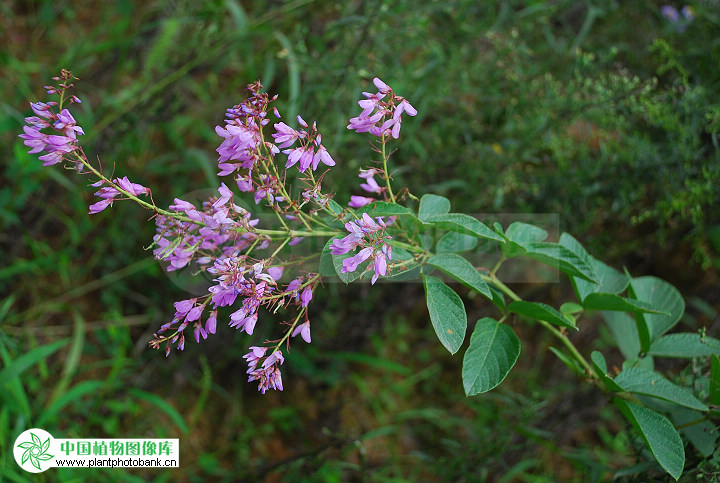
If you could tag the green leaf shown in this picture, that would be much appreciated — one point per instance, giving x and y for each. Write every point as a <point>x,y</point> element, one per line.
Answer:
<point>494,349</point>
<point>431,204</point>
<point>383,208</point>
<point>715,380</point>
<point>162,405</point>
<point>498,298</point>
<point>455,242</point>
<point>558,256</point>
<point>659,435</point>
<point>447,313</point>
<point>624,330</point>
<point>14,368</point>
<point>523,233</point>
<point>650,383</point>
<point>685,345</point>
<point>461,270</point>
<point>702,434</point>
<point>337,264</point>
<point>570,308</point>
<point>327,267</point>
<point>519,235</point>
<point>664,297</point>
<point>465,224</point>
<point>49,414</point>
<point>399,274</point>
<point>608,279</point>
<point>609,301</point>
<point>540,311</point>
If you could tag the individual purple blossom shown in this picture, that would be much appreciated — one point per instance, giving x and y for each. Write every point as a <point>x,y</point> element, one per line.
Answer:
<point>286,135</point>
<point>359,201</point>
<point>66,123</point>
<point>253,357</point>
<point>199,331</point>
<point>323,156</point>
<point>350,264</point>
<point>276,272</point>
<point>304,331</point>
<point>211,323</point>
<point>306,296</point>
<point>370,185</point>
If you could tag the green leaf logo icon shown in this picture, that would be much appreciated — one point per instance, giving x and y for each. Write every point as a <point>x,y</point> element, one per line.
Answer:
<point>32,447</point>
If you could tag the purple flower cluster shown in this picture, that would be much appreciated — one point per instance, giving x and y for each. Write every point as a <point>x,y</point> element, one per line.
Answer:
<point>55,146</point>
<point>220,237</point>
<point>186,311</point>
<point>381,117</point>
<point>107,194</point>
<point>243,132</point>
<point>268,373</point>
<point>219,229</point>
<point>304,154</point>
<point>370,235</point>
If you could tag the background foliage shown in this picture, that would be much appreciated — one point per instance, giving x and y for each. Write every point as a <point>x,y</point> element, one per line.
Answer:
<point>603,112</point>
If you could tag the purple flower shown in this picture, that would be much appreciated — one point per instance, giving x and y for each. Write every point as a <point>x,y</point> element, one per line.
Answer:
<point>380,116</point>
<point>211,324</point>
<point>276,272</point>
<point>371,186</point>
<point>239,145</point>
<point>360,201</point>
<point>306,296</point>
<point>304,331</point>
<point>670,13</point>
<point>324,156</point>
<point>198,332</point>
<point>350,264</point>
<point>33,139</point>
<point>268,374</point>
<point>256,353</point>
<point>66,123</point>
<point>132,188</point>
<point>242,322</point>
<point>225,195</point>
<point>99,206</point>
<point>286,135</point>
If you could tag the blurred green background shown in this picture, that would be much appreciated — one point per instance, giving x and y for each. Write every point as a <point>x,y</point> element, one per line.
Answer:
<point>602,112</point>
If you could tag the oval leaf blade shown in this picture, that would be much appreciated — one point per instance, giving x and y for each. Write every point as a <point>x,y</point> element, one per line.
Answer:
<point>461,223</point>
<point>431,204</point>
<point>662,296</point>
<point>685,345</point>
<point>659,435</point>
<point>650,383</point>
<point>461,270</point>
<point>494,349</point>
<point>447,313</point>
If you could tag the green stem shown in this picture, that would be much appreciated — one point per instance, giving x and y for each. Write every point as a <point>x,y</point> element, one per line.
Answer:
<point>385,169</point>
<point>553,330</point>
